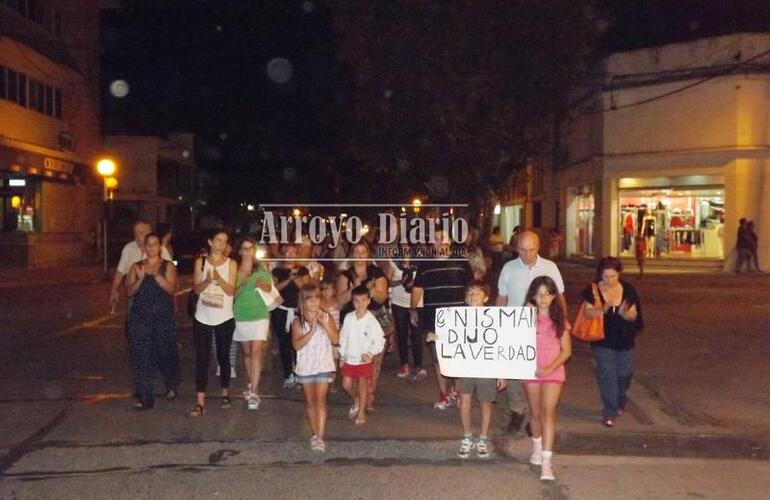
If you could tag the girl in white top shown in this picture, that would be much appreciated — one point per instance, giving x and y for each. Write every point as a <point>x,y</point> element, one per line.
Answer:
<point>313,334</point>
<point>214,280</point>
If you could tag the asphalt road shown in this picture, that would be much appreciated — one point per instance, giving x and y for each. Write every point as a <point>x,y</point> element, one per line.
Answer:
<point>696,426</point>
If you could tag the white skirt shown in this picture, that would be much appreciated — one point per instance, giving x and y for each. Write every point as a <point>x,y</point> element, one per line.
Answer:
<point>246,331</point>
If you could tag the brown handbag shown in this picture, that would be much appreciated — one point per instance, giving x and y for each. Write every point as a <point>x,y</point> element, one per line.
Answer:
<point>589,330</point>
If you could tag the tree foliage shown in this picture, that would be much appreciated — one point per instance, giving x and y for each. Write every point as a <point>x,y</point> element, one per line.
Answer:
<point>453,96</point>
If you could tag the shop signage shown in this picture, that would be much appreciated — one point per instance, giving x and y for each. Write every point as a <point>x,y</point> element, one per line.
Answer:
<point>58,165</point>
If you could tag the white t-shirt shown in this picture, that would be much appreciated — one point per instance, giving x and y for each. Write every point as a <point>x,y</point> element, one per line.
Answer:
<point>515,279</point>
<point>131,254</point>
<point>398,294</point>
<point>214,305</point>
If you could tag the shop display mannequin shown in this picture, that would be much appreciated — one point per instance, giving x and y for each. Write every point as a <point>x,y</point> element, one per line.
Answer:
<point>648,231</point>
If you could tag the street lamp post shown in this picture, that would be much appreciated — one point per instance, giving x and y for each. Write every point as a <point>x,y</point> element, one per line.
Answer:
<point>106,168</point>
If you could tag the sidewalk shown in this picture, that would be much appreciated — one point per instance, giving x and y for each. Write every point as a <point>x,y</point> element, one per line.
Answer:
<point>67,275</point>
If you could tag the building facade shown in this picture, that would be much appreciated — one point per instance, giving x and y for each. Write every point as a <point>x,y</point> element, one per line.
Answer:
<point>49,132</point>
<point>672,145</point>
<point>156,181</point>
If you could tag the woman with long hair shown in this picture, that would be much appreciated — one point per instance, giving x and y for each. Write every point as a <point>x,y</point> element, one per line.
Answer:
<point>252,319</point>
<point>312,333</point>
<point>214,282</point>
<point>554,347</point>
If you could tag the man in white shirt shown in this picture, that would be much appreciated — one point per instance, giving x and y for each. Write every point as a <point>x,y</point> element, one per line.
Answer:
<point>132,253</point>
<point>512,287</point>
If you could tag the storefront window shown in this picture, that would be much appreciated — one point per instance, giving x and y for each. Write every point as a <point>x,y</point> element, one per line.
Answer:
<point>17,204</point>
<point>673,223</point>
<point>580,221</point>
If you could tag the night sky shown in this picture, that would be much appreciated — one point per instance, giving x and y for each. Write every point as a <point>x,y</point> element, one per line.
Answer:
<point>201,65</point>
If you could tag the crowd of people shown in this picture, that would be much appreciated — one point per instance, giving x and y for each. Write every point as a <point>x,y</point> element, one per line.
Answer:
<point>346,314</point>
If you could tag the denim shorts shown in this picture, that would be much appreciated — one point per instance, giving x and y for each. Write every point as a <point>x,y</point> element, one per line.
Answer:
<point>316,378</point>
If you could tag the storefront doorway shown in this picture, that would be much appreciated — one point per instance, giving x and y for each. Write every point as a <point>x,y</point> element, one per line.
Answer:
<point>580,221</point>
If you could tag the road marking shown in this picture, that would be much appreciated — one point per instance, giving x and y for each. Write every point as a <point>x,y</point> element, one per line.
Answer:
<point>98,321</point>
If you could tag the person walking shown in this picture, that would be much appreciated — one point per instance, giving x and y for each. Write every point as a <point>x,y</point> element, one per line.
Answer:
<point>439,283</point>
<point>554,348</point>
<point>214,282</point>
<point>312,333</point>
<point>132,253</point>
<point>622,320</point>
<point>289,277</point>
<point>512,287</point>
<point>252,320</point>
<point>402,274</point>
<point>152,338</point>
<point>753,241</point>
<point>742,246</point>
<point>362,272</point>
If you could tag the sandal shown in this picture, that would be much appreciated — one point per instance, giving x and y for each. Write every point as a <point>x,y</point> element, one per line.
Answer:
<point>225,402</point>
<point>197,411</point>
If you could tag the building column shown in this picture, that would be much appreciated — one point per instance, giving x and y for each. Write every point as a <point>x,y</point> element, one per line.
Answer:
<point>744,199</point>
<point>762,223</point>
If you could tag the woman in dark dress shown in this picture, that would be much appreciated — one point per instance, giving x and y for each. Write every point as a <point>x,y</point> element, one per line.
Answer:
<point>622,320</point>
<point>151,325</point>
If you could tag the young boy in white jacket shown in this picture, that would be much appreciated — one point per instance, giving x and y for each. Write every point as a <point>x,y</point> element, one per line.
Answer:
<point>361,339</point>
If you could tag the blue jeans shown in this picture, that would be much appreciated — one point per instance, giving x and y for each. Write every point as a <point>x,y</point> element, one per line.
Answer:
<point>614,370</point>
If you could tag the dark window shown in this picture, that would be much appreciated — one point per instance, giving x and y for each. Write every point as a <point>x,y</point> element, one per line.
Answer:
<point>537,214</point>
<point>40,97</point>
<point>23,89</point>
<point>36,11</point>
<point>57,104</point>
<point>2,83</point>
<point>48,100</point>
<point>32,97</point>
<point>13,86</point>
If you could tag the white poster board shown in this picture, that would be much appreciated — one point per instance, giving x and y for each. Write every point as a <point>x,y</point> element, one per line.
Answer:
<point>487,342</point>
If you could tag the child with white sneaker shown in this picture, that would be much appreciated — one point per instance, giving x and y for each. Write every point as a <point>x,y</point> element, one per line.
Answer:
<point>476,295</point>
<point>554,347</point>
<point>361,339</point>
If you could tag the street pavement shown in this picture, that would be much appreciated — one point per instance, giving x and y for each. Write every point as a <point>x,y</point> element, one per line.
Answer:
<point>696,425</point>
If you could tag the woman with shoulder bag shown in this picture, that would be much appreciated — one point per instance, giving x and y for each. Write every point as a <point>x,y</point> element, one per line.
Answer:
<point>622,318</point>
<point>214,282</point>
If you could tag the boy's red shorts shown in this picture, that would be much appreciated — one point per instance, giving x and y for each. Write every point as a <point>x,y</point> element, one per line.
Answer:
<point>358,371</point>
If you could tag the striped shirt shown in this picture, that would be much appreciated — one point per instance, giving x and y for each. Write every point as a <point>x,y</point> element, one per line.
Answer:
<point>443,281</point>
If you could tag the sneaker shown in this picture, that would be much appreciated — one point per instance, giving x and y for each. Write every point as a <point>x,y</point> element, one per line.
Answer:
<point>466,445</point>
<point>247,392</point>
<point>253,402</point>
<point>621,412</point>
<point>546,472</point>
<point>608,421</point>
<point>536,458</point>
<point>420,375</point>
<point>290,382</point>
<point>441,404</point>
<point>403,372</point>
<point>454,398</point>
<point>353,411</point>
<point>317,444</point>
<point>482,449</point>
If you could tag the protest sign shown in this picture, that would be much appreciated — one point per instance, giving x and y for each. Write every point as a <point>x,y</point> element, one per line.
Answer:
<point>487,342</point>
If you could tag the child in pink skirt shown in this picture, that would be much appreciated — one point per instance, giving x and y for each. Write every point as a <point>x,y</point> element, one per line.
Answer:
<point>554,348</point>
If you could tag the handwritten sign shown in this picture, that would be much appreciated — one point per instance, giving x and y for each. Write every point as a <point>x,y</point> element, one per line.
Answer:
<point>487,342</point>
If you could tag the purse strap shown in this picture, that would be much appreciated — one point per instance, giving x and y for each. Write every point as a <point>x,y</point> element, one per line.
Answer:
<point>598,298</point>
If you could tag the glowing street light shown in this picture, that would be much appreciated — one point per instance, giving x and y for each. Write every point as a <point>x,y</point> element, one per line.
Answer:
<point>416,203</point>
<point>107,168</point>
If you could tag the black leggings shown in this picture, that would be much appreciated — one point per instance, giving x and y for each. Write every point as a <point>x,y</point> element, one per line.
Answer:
<point>285,347</point>
<point>202,340</point>
<point>405,331</point>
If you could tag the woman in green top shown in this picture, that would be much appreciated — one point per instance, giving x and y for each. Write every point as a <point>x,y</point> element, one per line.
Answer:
<point>252,320</point>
